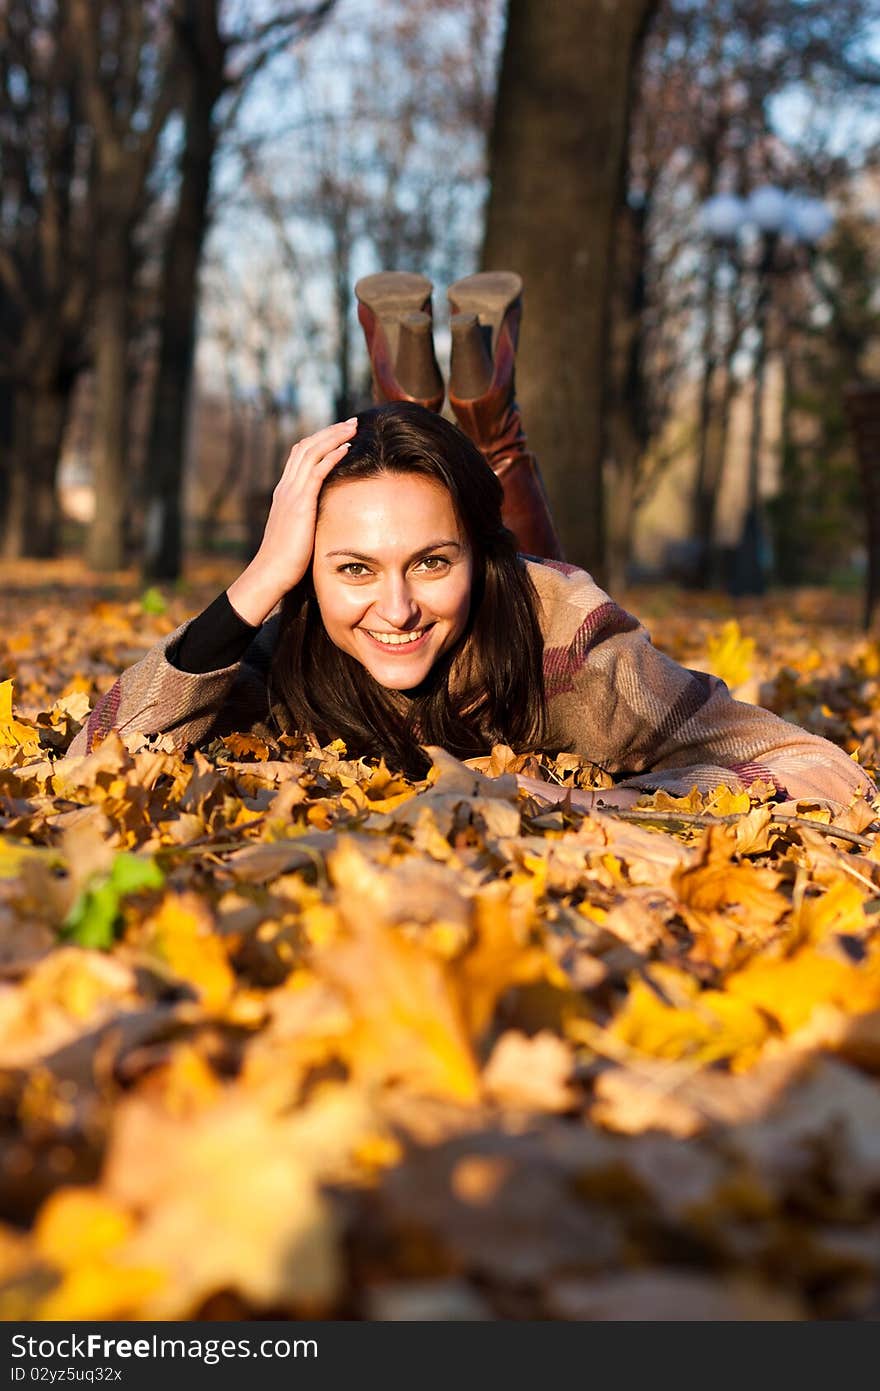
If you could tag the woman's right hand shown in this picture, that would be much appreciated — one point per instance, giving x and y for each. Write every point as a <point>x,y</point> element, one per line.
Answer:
<point>289,535</point>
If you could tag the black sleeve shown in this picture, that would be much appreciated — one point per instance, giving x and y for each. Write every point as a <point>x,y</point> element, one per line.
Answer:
<point>216,639</point>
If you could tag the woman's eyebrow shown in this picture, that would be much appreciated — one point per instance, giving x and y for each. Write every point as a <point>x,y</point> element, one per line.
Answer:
<point>423,550</point>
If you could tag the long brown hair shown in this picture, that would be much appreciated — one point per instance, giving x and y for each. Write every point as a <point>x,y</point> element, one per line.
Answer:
<point>498,694</point>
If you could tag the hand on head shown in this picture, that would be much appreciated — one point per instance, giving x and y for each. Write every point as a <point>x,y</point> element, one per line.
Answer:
<point>289,536</point>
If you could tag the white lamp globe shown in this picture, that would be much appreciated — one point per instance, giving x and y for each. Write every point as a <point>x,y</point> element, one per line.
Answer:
<point>768,206</point>
<point>721,217</point>
<point>808,220</point>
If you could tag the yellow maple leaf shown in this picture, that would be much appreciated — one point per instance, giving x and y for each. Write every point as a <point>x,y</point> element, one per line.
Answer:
<point>100,1290</point>
<point>82,1233</point>
<point>662,800</point>
<point>14,854</point>
<point>790,988</point>
<point>730,655</point>
<point>181,933</point>
<point>724,802</point>
<point>231,1199</point>
<point>721,897</point>
<point>407,1020</point>
<point>321,923</point>
<point>14,734</point>
<point>187,1084</point>
<point>384,792</point>
<point>840,909</point>
<point>76,1224</point>
<point>703,1027</point>
<point>503,953</point>
<point>67,991</point>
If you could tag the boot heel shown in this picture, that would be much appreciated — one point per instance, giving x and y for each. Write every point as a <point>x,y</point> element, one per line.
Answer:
<point>491,295</point>
<point>415,364</point>
<point>470,363</point>
<point>394,310</point>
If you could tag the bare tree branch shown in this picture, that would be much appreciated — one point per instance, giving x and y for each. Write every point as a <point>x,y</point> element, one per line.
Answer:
<point>303,18</point>
<point>82,18</point>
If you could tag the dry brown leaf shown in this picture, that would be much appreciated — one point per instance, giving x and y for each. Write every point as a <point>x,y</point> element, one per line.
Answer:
<point>231,1200</point>
<point>65,995</point>
<point>532,1073</point>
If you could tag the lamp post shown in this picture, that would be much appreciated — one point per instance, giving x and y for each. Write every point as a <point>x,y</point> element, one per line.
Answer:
<point>798,223</point>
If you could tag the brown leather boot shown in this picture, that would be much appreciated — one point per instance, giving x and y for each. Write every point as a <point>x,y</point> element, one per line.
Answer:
<point>394,309</point>
<point>486,311</point>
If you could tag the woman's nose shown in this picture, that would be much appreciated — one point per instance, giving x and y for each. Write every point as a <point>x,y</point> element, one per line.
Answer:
<point>397,605</point>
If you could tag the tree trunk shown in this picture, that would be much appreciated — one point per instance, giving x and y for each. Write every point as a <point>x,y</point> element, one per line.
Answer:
<point>32,513</point>
<point>621,511</point>
<point>166,453</point>
<point>786,508</point>
<point>7,410</point>
<point>703,516</point>
<point>718,573</point>
<point>51,404</point>
<point>106,544</point>
<point>557,157</point>
<point>626,397</point>
<point>343,401</point>
<point>16,511</point>
<point>225,483</point>
<point>257,495</point>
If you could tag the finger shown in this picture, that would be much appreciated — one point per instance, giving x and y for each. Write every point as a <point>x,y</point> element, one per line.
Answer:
<point>326,463</point>
<point>325,441</point>
<point>311,472</point>
<point>307,450</point>
<point>328,438</point>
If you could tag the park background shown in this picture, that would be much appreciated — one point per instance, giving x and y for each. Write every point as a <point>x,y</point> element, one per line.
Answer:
<point>191,190</point>
<point>282,1033</point>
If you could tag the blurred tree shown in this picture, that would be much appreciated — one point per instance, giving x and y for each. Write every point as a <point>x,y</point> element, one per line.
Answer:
<point>218,56</point>
<point>708,118</point>
<point>557,158</point>
<point>129,83</point>
<point>336,204</point>
<point>825,345</point>
<point>46,222</point>
<point>374,184</point>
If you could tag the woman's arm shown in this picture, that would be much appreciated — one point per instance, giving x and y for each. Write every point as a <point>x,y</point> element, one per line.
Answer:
<point>655,724</point>
<point>183,684</point>
<point>154,696</point>
<point>218,638</point>
<point>752,743</point>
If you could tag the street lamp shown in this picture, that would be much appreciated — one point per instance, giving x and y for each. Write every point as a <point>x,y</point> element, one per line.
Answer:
<point>779,217</point>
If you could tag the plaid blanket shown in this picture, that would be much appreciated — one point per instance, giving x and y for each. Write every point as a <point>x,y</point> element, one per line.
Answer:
<point>613,698</point>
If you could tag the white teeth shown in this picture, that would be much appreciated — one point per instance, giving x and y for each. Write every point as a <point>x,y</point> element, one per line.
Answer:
<point>397,639</point>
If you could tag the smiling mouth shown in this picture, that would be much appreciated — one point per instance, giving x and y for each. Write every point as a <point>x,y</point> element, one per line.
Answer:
<point>399,642</point>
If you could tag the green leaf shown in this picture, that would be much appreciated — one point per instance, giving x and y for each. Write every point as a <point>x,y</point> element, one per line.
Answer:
<point>92,920</point>
<point>95,916</point>
<point>129,873</point>
<point>153,601</point>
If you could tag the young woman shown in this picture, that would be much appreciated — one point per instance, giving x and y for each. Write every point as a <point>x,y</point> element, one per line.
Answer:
<point>388,605</point>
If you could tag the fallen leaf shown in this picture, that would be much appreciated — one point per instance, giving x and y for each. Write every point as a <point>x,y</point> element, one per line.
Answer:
<point>532,1073</point>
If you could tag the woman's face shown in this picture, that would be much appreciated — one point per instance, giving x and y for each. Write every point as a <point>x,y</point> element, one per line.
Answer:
<point>392,573</point>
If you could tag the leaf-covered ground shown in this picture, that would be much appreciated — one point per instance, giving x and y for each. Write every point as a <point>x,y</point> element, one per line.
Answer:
<point>282,1034</point>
